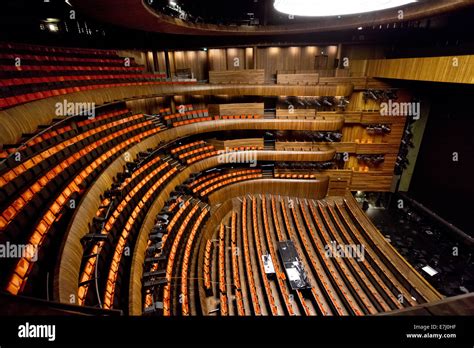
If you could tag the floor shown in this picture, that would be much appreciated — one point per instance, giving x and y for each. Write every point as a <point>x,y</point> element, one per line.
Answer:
<point>422,243</point>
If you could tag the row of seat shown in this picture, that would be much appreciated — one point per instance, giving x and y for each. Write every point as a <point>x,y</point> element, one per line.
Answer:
<point>14,168</point>
<point>148,197</point>
<point>229,181</point>
<point>32,96</point>
<point>365,275</point>
<point>186,112</point>
<point>396,281</point>
<point>191,146</point>
<point>282,236</point>
<point>237,117</point>
<point>321,267</point>
<point>23,267</point>
<point>373,266</point>
<point>356,298</point>
<point>51,175</point>
<point>248,263</point>
<point>129,189</point>
<point>207,265</point>
<point>222,179</point>
<point>294,176</point>
<point>235,255</point>
<point>186,117</point>
<point>222,271</point>
<point>172,240</point>
<point>246,148</point>
<point>8,46</point>
<point>42,58</point>
<point>52,80</point>
<point>171,256</point>
<point>188,252</point>
<point>258,248</point>
<point>191,154</point>
<point>41,139</point>
<point>39,188</point>
<point>280,276</point>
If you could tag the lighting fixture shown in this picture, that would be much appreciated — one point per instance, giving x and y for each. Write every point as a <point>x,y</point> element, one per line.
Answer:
<point>320,8</point>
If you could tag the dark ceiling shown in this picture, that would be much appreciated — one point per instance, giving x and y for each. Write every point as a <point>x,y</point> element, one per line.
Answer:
<point>21,20</point>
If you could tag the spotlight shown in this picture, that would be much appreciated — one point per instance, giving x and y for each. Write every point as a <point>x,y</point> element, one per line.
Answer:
<point>327,102</point>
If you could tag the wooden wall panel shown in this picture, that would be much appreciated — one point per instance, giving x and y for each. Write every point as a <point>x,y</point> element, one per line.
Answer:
<point>273,59</point>
<point>451,69</point>
<point>194,60</point>
<point>217,59</point>
<point>236,109</point>
<point>371,181</point>
<point>316,189</point>
<point>249,58</point>
<point>295,113</point>
<point>236,59</point>
<point>161,61</point>
<point>250,76</point>
<point>226,144</point>
<point>284,78</point>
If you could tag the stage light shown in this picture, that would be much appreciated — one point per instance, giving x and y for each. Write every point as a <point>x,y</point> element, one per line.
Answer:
<point>320,8</point>
<point>53,27</point>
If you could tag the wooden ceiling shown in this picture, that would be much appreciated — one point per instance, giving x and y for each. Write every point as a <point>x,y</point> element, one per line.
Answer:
<point>135,14</point>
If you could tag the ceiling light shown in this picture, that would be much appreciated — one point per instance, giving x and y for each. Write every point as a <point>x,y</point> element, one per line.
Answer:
<point>319,8</point>
<point>53,27</point>
<point>52,20</point>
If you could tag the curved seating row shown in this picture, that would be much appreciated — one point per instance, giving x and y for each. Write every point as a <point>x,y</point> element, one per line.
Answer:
<point>358,284</point>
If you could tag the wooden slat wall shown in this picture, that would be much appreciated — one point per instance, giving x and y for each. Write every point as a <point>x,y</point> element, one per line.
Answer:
<point>297,78</point>
<point>223,144</point>
<point>371,181</point>
<point>147,106</point>
<point>236,59</point>
<point>217,59</point>
<point>194,60</point>
<point>341,147</point>
<point>296,113</point>
<point>273,59</point>
<point>236,109</point>
<point>315,189</point>
<point>452,69</point>
<point>251,76</point>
